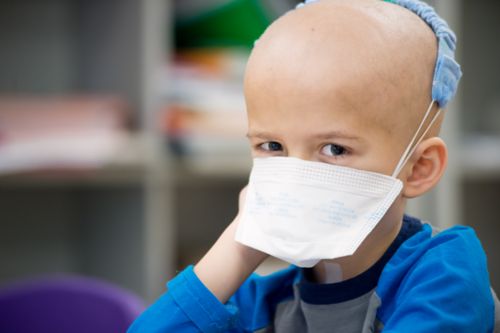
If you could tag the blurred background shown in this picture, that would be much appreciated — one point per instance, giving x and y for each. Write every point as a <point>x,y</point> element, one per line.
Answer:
<point>122,133</point>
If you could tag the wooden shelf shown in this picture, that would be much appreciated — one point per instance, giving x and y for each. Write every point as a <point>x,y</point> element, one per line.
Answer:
<point>129,165</point>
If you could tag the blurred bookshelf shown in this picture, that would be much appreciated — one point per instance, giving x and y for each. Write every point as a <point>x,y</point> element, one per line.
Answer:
<point>84,181</point>
<point>121,155</point>
<point>203,118</point>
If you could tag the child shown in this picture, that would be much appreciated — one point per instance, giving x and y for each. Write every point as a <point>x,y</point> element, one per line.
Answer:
<point>344,103</point>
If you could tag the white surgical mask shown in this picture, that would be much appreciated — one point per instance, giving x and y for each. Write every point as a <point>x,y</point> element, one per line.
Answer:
<point>304,211</point>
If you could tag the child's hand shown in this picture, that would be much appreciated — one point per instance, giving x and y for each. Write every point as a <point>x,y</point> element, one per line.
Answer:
<point>228,263</point>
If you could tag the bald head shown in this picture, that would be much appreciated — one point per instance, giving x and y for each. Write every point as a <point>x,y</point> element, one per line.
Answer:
<point>375,59</point>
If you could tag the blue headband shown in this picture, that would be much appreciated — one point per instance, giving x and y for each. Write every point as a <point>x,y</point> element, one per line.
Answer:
<point>447,71</point>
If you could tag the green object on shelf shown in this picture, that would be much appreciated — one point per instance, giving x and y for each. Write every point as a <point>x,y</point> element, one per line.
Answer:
<point>236,23</point>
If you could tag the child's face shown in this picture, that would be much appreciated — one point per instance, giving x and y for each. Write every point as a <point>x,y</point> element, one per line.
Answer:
<point>320,94</point>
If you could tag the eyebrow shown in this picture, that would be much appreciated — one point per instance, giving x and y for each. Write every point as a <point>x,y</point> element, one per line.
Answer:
<point>259,134</point>
<point>324,136</point>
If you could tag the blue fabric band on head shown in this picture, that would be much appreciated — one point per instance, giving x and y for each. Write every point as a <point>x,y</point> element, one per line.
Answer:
<point>447,71</point>
<point>304,3</point>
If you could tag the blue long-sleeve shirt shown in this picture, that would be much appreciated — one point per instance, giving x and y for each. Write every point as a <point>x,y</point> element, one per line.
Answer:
<point>424,283</point>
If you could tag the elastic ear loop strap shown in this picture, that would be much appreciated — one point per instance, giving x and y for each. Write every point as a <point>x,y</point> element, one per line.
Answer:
<point>413,145</point>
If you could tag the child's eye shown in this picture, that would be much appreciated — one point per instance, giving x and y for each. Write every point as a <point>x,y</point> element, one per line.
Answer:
<point>271,146</point>
<point>333,150</point>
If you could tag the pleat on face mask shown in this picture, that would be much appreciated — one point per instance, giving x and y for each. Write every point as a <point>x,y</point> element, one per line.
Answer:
<point>304,211</point>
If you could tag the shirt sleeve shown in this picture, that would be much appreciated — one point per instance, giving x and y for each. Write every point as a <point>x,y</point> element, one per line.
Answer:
<point>189,306</point>
<point>438,284</point>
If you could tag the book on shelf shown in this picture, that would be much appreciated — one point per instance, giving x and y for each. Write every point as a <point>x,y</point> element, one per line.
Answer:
<point>203,117</point>
<point>60,132</point>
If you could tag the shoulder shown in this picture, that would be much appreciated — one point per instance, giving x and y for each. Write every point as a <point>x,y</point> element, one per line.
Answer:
<point>443,277</point>
<point>454,255</point>
<point>454,248</point>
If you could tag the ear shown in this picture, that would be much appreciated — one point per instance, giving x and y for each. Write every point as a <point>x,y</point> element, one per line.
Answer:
<point>425,167</point>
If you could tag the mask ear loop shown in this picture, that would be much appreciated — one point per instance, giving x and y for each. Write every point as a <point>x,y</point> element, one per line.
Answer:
<point>410,149</point>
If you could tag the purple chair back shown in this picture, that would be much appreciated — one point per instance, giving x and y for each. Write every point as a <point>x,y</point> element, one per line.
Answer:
<point>67,304</point>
